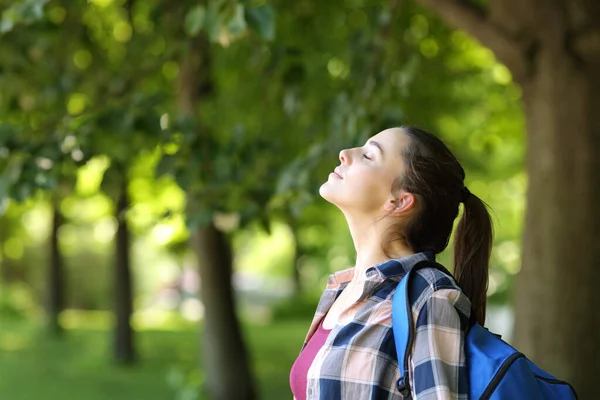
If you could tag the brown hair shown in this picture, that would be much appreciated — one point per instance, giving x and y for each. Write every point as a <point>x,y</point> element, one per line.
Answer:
<point>436,178</point>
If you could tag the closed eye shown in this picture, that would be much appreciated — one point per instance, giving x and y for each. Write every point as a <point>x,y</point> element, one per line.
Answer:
<point>365,156</point>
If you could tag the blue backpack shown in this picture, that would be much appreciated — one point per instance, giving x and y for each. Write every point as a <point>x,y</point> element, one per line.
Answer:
<point>497,371</point>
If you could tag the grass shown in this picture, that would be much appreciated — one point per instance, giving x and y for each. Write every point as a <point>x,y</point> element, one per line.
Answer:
<point>79,365</point>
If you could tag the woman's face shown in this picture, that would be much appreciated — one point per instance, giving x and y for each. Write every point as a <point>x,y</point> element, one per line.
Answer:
<point>367,174</point>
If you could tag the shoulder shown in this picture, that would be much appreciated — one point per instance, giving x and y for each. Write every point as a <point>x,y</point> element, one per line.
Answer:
<point>431,279</point>
<point>430,284</point>
<point>423,284</point>
<point>434,291</point>
<point>426,285</point>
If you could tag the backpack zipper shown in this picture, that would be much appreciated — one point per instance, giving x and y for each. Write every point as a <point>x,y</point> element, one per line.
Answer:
<point>502,371</point>
<point>487,393</point>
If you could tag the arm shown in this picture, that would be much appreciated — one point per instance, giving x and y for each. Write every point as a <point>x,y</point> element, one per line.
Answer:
<point>438,366</point>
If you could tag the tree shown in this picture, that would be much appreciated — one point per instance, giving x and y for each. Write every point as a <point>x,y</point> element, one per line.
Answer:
<point>5,267</point>
<point>68,121</point>
<point>223,352</point>
<point>248,122</point>
<point>553,51</point>
<point>55,301</point>
<point>123,340</point>
<point>133,68</point>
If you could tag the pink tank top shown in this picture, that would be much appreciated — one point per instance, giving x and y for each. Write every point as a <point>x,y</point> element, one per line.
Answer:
<point>300,368</point>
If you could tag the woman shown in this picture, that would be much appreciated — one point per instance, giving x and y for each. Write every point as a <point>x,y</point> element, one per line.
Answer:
<point>400,194</point>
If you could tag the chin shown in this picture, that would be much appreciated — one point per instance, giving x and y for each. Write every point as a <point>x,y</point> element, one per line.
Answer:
<point>327,193</point>
<point>330,194</point>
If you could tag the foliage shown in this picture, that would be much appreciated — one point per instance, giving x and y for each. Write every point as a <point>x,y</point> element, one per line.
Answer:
<point>17,303</point>
<point>91,93</point>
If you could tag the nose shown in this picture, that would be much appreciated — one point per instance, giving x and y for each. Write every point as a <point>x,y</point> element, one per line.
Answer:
<point>344,156</point>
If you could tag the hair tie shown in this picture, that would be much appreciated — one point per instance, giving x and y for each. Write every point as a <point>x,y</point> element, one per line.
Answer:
<point>466,194</point>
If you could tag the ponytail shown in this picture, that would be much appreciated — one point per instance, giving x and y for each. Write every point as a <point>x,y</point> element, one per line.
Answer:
<point>436,178</point>
<point>472,250</point>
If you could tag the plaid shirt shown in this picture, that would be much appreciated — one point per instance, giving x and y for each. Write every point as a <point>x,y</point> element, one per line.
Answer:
<point>358,360</point>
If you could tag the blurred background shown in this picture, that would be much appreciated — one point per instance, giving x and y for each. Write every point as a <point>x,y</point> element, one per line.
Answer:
<point>161,232</point>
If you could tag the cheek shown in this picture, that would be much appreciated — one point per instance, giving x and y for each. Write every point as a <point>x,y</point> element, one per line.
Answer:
<point>365,189</point>
<point>371,186</point>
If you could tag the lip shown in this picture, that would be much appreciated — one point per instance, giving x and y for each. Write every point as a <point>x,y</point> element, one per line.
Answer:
<point>337,173</point>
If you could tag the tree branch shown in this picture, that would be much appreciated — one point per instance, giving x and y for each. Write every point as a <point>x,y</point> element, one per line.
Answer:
<point>472,19</point>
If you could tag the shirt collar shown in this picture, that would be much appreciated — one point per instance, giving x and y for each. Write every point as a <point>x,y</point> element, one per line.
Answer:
<point>387,269</point>
<point>400,266</point>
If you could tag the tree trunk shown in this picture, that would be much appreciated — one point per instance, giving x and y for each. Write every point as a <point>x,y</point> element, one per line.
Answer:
<point>55,295</point>
<point>5,267</point>
<point>297,277</point>
<point>224,356</point>
<point>296,273</point>
<point>124,349</point>
<point>557,316</point>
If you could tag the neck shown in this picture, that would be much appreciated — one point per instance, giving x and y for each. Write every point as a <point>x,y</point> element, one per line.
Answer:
<point>368,237</point>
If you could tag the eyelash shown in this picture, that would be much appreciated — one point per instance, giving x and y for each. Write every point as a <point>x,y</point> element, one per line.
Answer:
<point>365,156</point>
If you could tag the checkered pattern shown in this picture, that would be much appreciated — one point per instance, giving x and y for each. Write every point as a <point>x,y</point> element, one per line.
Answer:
<point>358,360</point>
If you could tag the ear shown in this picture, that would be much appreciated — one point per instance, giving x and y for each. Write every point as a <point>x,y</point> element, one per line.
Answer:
<point>401,204</point>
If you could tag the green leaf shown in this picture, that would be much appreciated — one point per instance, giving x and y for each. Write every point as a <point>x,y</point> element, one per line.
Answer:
<point>6,24</point>
<point>262,18</point>
<point>265,222</point>
<point>197,221</point>
<point>194,20</point>
<point>237,23</point>
<point>166,165</point>
<point>112,182</point>
<point>198,214</point>
<point>22,191</point>
<point>212,21</point>
<point>24,11</point>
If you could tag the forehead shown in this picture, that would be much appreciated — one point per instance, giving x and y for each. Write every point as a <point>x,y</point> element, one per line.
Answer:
<point>393,140</point>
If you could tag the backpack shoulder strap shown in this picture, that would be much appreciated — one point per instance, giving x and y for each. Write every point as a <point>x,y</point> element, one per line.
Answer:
<point>402,321</point>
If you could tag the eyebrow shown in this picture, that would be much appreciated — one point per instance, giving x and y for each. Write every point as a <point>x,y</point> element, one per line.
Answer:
<point>376,144</point>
